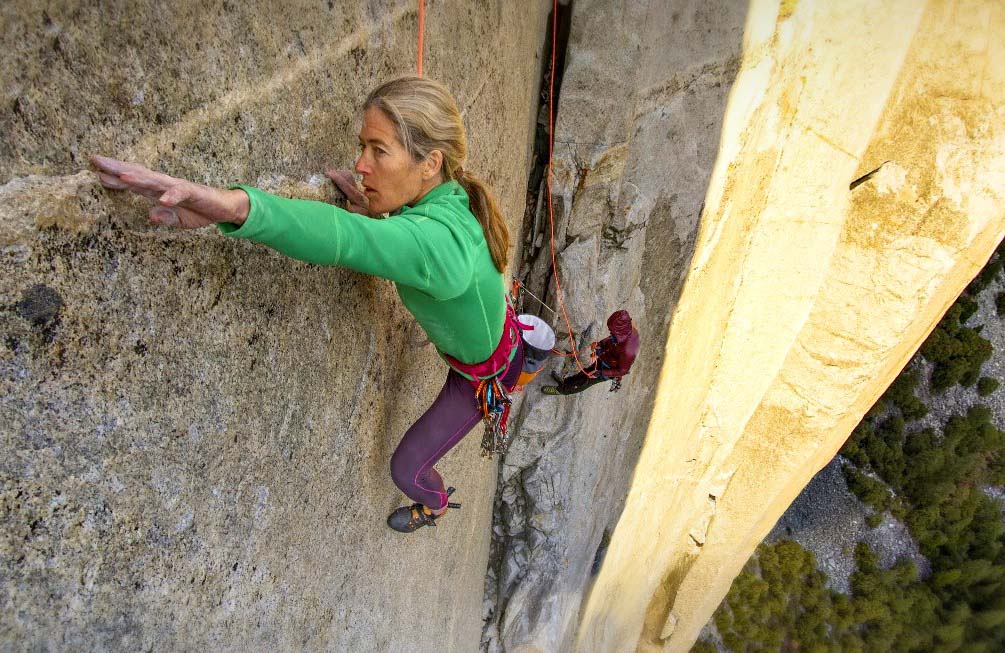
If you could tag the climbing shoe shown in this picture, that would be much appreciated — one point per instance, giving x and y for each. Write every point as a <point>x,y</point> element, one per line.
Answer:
<point>554,389</point>
<point>409,518</point>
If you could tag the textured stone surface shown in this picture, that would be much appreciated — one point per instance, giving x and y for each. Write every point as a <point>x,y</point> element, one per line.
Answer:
<point>638,129</point>
<point>805,298</point>
<point>196,431</point>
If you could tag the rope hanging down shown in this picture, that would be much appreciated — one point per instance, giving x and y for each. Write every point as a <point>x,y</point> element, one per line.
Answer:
<point>422,29</point>
<point>574,350</point>
<point>551,208</point>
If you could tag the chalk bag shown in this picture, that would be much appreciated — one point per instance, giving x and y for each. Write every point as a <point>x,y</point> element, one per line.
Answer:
<point>538,341</point>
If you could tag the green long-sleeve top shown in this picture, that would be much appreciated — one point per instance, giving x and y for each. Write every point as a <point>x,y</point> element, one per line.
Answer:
<point>434,252</point>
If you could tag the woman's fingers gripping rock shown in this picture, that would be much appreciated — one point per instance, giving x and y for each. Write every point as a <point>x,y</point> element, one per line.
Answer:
<point>112,182</point>
<point>345,181</point>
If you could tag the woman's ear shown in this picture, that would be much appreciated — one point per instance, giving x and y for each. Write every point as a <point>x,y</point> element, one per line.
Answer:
<point>432,165</point>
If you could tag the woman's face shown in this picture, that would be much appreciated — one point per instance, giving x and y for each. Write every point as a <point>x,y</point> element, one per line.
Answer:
<point>391,178</point>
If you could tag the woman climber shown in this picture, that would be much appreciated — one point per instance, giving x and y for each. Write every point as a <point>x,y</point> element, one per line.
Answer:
<point>445,247</point>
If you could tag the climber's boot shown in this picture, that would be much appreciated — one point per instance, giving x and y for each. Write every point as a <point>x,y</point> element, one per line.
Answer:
<point>409,518</point>
<point>554,389</point>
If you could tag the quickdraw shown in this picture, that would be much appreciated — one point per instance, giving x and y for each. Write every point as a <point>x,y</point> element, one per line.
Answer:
<point>494,402</point>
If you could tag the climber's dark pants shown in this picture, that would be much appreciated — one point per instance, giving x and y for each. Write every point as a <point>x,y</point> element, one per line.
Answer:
<point>453,413</point>
<point>580,381</point>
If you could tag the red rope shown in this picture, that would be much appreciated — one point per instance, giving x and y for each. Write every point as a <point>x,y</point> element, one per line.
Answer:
<point>422,29</point>
<point>551,209</point>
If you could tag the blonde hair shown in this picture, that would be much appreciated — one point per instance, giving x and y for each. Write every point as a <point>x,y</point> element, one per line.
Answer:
<point>426,118</point>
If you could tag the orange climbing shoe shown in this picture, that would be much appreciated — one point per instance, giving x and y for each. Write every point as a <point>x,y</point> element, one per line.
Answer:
<point>409,518</point>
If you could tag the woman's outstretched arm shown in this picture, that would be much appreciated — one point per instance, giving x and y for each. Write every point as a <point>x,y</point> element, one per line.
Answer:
<point>427,258</point>
<point>180,203</point>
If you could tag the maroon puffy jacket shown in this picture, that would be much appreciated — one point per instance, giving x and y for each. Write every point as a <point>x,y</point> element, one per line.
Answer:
<point>619,349</point>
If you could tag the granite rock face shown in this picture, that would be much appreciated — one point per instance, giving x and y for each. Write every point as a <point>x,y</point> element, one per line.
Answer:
<point>639,117</point>
<point>776,302</point>
<point>820,292</point>
<point>196,431</point>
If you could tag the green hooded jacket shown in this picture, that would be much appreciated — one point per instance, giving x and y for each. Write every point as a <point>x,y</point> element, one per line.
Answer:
<point>434,252</point>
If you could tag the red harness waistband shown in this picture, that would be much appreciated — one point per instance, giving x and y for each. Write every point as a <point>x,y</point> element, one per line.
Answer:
<point>499,361</point>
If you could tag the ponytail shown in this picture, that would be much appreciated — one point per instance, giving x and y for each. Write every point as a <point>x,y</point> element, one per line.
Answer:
<point>485,208</point>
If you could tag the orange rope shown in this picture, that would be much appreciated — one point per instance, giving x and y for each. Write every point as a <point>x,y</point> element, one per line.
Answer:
<point>551,209</point>
<point>422,29</point>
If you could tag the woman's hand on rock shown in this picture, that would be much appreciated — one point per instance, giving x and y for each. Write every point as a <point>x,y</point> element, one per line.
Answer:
<point>346,182</point>
<point>180,203</point>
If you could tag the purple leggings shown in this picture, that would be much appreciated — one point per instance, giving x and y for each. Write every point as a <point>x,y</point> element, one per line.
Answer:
<point>444,424</point>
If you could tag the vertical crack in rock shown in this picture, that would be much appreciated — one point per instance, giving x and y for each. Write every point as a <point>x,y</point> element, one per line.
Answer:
<point>635,143</point>
<point>512,534</point>
<point>535,260</point>
<point>660,620</point>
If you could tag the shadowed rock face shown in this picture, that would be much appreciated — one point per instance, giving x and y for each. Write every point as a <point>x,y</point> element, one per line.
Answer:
<point>640,113</point>
<point>196,431</point>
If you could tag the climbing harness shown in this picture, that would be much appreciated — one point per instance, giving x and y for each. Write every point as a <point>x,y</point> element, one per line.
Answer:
<point>495,403</point>
<point>491,396</point>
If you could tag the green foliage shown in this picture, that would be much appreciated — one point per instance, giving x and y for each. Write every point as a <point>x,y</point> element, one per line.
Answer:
<point>968,306</point>
<point>901,395</point>
<point>956,350</point>
<point>990,271</point>
<point>931,480</point>
<point>780,603</point>
<point>881,447</point>
<point>872,492</point>
<point>895,611</point>
<point>986,385</point>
